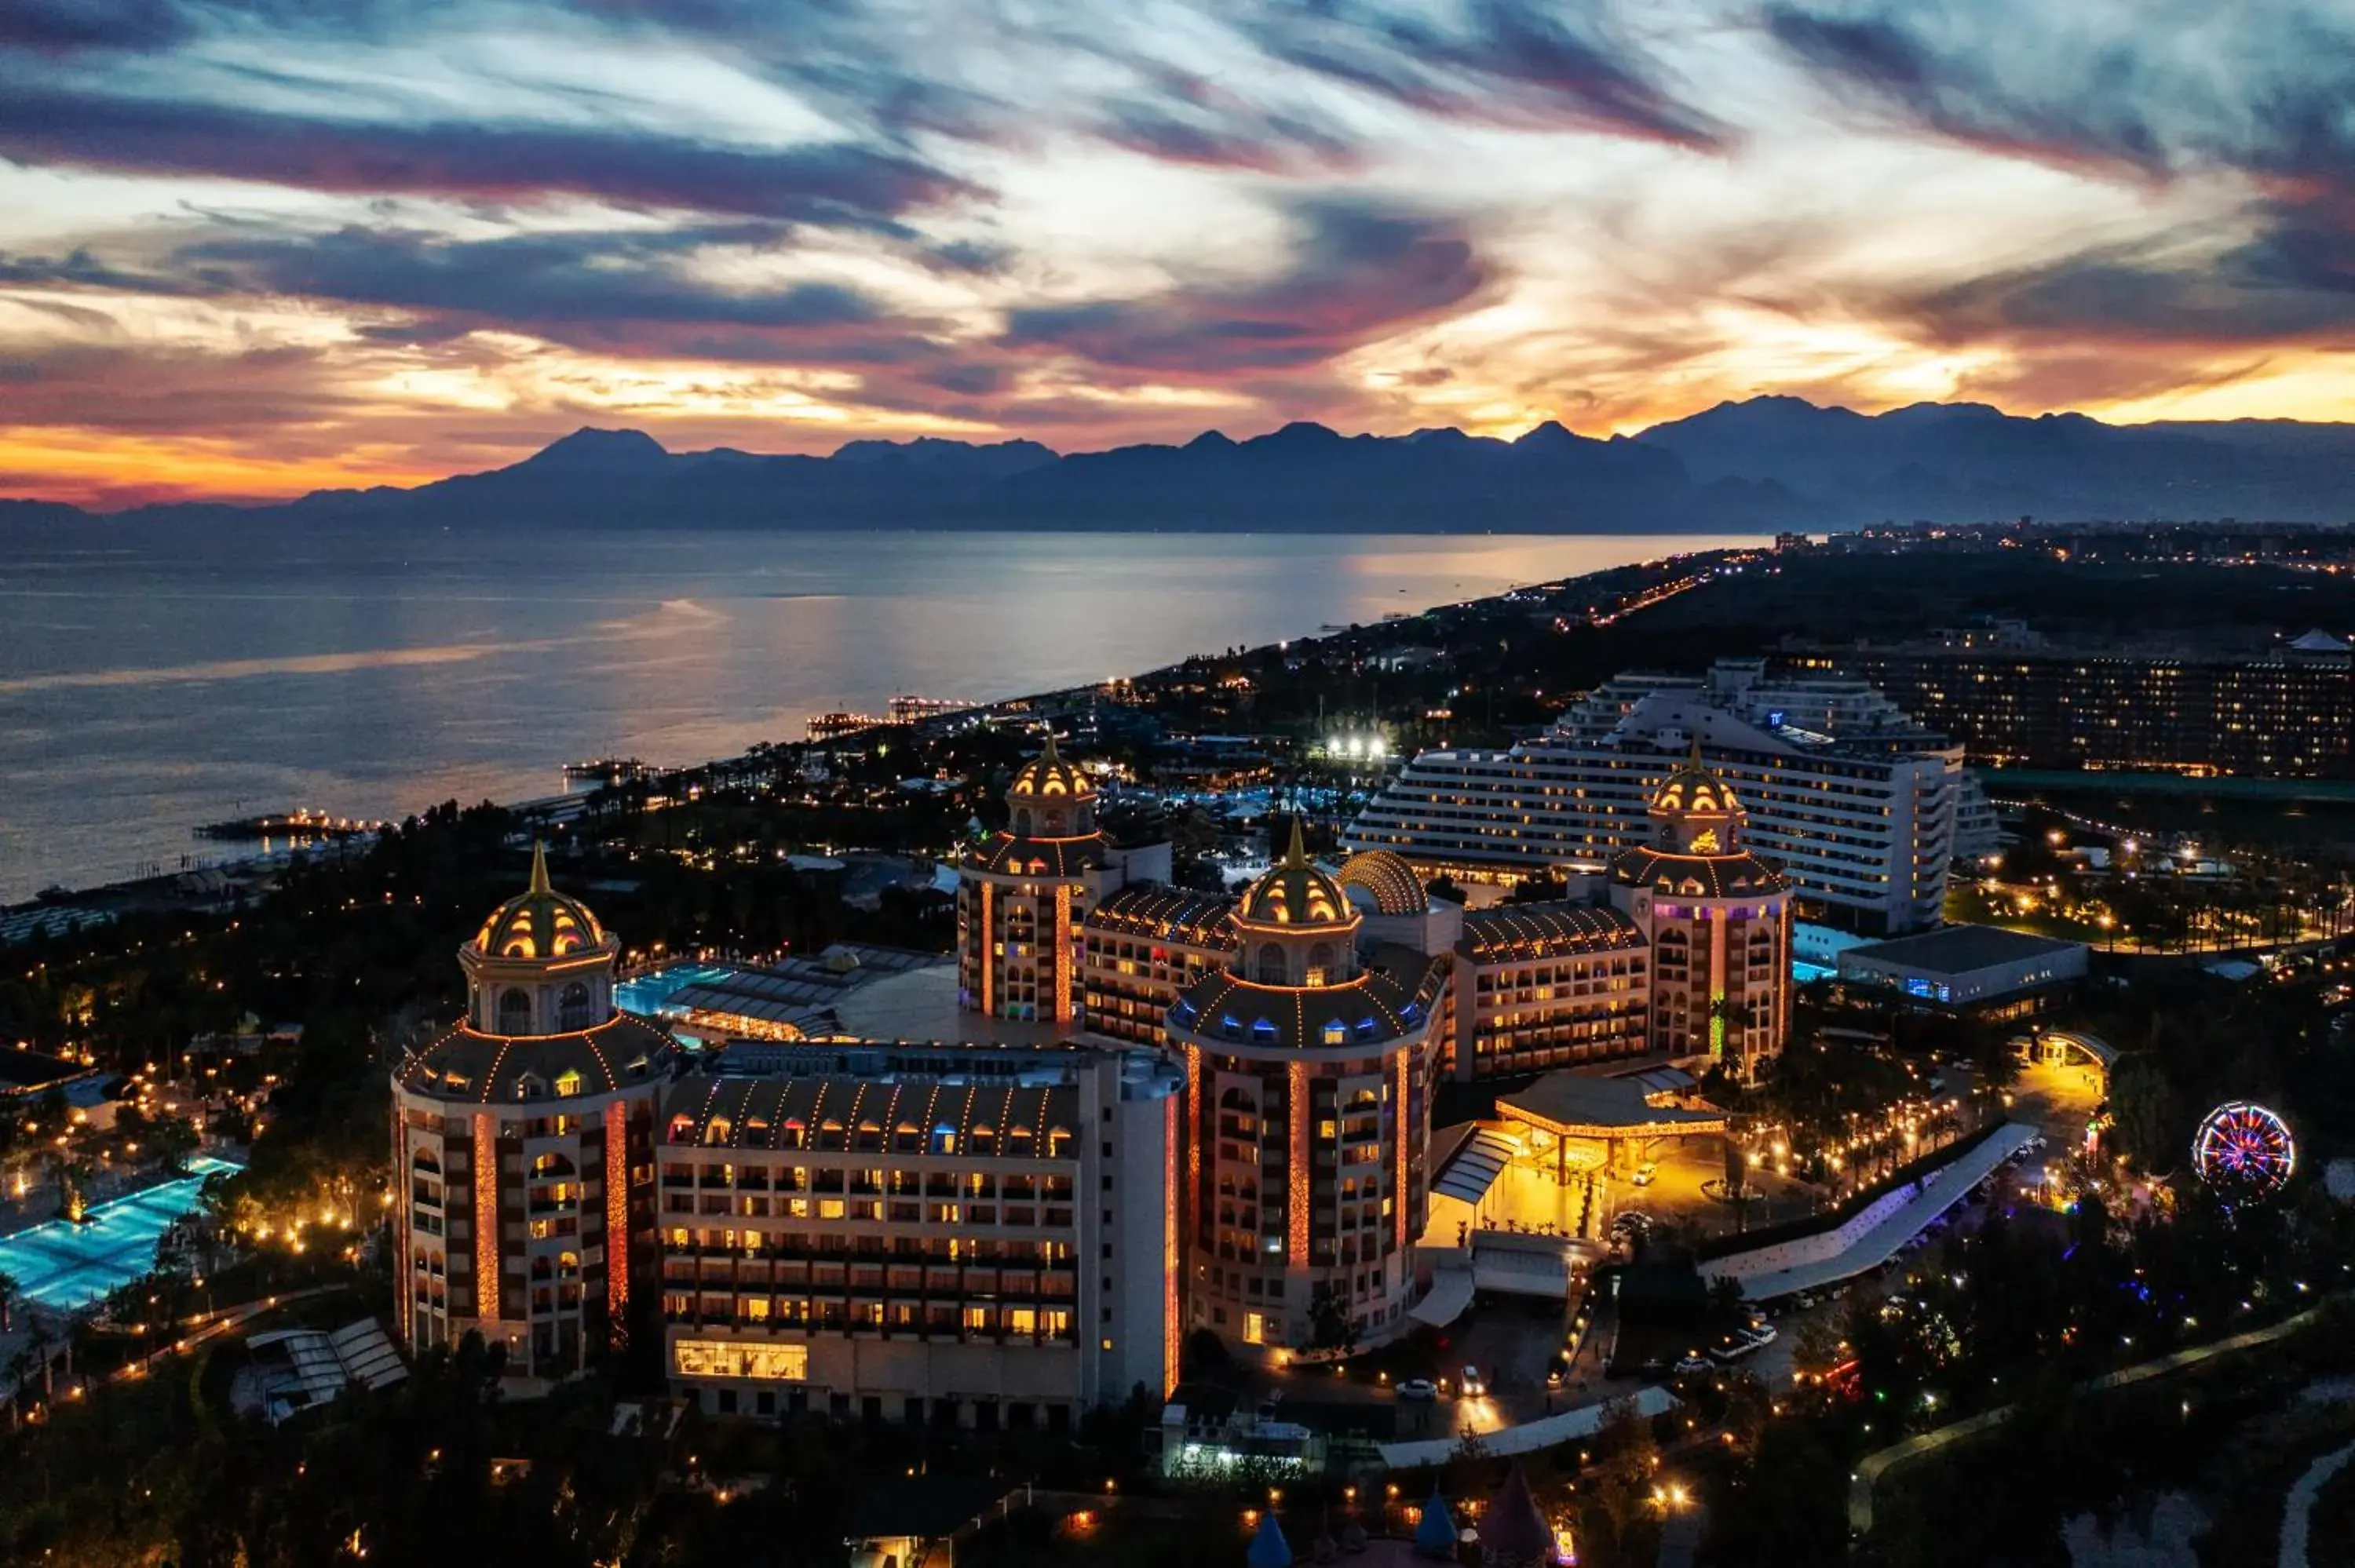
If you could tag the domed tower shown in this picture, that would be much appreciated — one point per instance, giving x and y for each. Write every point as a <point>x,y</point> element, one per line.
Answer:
<point>1719,922</point>
<point>523,1144</point>
<point>1307,1113</point>
<point>1021,894</point>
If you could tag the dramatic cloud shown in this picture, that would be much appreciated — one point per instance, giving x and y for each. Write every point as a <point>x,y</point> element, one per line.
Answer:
<point>510,163</point>
<point>1354,275</point>
<point>1503,62</point>
<point>58,26</point>
<point>255,246</point>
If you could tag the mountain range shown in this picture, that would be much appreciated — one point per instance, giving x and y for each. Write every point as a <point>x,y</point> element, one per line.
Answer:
<point>1763,463</point>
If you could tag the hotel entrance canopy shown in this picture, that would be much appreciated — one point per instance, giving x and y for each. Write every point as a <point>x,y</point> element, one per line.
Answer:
<point>1611,1110</point>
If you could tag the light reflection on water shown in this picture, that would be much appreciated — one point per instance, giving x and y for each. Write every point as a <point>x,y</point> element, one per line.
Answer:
<point>154,678</point>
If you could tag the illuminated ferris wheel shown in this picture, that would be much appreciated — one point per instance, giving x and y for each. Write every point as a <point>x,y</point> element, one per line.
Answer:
<point>2244,1150</point>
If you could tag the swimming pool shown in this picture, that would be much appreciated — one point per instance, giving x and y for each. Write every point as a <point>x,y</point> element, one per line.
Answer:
<point>645,994</point>
<point>1804,971</point>
<point>65,1267</point>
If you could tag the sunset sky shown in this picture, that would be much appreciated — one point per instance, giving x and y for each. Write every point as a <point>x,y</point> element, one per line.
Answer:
<point>249,247</point>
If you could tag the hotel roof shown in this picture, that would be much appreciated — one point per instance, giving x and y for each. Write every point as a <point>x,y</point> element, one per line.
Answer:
<point>1011,856</point>
<point>1372,1008</point>
<point>908,1114</point>
<point>492,1069</point>
<point>1958,950</point>
<point>1149,909</point>
<point>1545,930</point>
<point>1731,875</point>
<point>1573,1104</point>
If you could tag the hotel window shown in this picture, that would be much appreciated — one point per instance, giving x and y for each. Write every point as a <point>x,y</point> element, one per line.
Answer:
<point>1254,1328</point>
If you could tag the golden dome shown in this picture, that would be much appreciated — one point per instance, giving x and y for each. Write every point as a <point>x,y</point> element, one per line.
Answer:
<point>539,922</point>
<point>1048,777</point>
<point>1395,887</point>
<point>1694,789</point>
<point>1295,892</point>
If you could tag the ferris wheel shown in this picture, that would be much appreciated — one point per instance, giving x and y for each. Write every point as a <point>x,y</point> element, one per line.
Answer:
<point>2243,1149</point>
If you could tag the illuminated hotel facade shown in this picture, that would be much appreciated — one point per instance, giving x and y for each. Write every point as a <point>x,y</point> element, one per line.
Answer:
<point>1853,801</point>
<point>1307,1114</point>
<point>978,1236</point>
<point>523,1147</point>
<point>2288,714</point>
<point>1023,893</point>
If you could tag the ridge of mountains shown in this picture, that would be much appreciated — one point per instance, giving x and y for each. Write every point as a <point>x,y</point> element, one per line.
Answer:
<point>1762,463</point>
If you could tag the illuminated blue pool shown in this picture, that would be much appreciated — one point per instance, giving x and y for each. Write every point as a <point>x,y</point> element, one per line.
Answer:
<point>65,1267</point>
<point>1803,972</point>
<point>645,994</point>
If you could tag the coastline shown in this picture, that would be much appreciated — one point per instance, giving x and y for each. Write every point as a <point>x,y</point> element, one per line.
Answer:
<point>176,884</point>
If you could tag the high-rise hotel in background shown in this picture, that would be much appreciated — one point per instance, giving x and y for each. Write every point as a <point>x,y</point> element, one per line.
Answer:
<point>1860,807</point>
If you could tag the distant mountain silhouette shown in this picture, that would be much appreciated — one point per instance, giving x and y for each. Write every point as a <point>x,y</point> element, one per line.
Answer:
<point>1768,462</point>
<point>1965,461</point>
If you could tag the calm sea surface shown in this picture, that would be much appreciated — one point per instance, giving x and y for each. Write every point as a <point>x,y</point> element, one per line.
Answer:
<point>154,678</point>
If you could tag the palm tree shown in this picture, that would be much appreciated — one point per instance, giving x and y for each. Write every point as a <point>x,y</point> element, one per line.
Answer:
<point>9,1291</point>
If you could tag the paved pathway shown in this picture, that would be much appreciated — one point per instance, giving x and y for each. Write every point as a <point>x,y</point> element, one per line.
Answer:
<point>1680,1537</point>
<point>1870,1470</point>
<point>2298,1517</point>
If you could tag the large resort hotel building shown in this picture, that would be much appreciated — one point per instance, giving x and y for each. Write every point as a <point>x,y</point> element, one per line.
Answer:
<point>939,1234</point>
<point>1855,802</point>
<point>1014,1218</point>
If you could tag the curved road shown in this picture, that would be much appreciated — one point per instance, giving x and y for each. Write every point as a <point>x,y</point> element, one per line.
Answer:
<point>2298,1517</point>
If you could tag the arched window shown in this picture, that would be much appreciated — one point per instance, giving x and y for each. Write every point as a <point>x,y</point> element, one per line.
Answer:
<point>530,1087</point>
<point>1263,1032</point>
<point>568,1082</point>
<point>682,1129</point>
<point>1054,821</point>
<point>944,1138</point>
<point>568,1266</point>
<point>573,1008</point>
<point>1022,823</point>
<point>1058,1142</point>
<point>1320,963</point>
<point>1336,1032</point>
<point>515,1011</point>
<point>715,1131</point>
<point>1272,969</point>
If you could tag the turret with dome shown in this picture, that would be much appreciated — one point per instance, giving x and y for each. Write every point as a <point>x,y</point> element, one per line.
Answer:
<point>543,1064</point>
<point>1717,919</point>
<point>1307,1112</point>
<point>1023,892</point>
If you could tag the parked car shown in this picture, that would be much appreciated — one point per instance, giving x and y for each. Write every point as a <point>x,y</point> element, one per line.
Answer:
<point>1646,1174</point>
<point>1688,1364</point>
<point>1759,1334</point>
<point>1473,1384</point>
<point>1418,1388</point>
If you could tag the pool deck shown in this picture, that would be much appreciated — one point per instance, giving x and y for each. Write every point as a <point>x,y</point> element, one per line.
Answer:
<point>65,1267</point>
